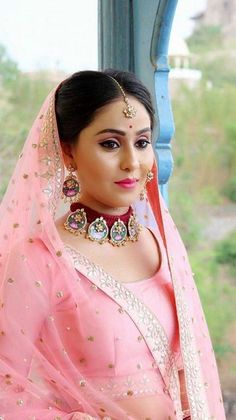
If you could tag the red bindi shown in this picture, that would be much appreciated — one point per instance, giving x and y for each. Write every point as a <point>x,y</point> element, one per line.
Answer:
<point>130,126</point>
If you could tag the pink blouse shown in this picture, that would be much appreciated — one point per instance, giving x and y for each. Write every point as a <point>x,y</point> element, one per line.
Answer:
<point>114,356</point>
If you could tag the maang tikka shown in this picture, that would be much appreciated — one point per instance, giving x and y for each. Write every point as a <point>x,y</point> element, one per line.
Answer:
<point>129,111</point>
<point>149,177</point>
<point>71,187</point>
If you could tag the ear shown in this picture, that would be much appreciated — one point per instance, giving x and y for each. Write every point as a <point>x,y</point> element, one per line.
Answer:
<point>67,155</point>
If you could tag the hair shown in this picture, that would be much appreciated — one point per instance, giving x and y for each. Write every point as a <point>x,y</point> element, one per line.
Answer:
<point>79,97</point>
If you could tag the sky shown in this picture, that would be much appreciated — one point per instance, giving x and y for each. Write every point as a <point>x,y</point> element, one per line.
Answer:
<point>62,35</point>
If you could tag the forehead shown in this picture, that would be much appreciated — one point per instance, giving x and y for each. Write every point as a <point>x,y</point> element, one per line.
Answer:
<point>111,115</point>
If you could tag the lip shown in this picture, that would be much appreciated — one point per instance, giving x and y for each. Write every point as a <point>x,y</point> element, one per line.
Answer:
<point>127,182</point>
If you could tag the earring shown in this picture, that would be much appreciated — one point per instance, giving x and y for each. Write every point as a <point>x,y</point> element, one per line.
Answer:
<point>143,193</point>
<point>71,187</point>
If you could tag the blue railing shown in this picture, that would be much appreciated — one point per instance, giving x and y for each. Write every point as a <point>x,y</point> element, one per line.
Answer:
<point>159,59</point>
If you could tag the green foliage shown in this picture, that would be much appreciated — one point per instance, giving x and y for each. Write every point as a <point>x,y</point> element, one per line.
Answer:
<point>204,146</point>
<point>226,252</point>
<point>218,297</point>
<point>230,130</point>
<point>8,68</point>
<point>20,99</point>
<point>211,55</point>
<point>230,190</point>
<point>204,150</point>
<point>206,38</point>
<point>182,209</point>
<point>217,67</point>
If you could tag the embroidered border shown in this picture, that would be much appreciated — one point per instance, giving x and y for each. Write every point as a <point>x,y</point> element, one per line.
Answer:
<point>154,334</point>
<point>194,384</point>
<point>51,158</point>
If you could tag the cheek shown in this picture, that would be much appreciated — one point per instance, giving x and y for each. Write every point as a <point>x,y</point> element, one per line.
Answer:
<point>93,168</point>
<point>148,161</point>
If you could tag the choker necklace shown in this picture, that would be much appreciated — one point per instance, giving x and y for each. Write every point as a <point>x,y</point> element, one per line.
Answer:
<point>117,230</point>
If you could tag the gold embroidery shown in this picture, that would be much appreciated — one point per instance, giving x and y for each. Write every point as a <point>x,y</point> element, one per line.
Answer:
<point>155,335</point>
<point>47,175</point>
<point>38,283</point>
<point>82,382</point>
<point>50,154</point>
<point>194,383</point>
<point>20,402</point>
<point>111,366</point>
<point>90,338</point>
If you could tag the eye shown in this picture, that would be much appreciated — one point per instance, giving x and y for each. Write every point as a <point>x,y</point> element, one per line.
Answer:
<point>142,143</point>
<point>110,144</point>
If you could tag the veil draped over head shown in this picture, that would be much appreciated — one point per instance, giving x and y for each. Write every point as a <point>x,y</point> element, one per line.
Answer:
<point>38,285</point>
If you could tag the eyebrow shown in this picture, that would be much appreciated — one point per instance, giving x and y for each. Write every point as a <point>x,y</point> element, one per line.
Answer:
<point>122,133</point>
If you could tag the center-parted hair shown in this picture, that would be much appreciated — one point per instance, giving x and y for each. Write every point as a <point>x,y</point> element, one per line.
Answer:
<point>79,97</point>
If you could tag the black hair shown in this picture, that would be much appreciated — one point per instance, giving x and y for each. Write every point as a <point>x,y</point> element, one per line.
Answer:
<point>79,97</point>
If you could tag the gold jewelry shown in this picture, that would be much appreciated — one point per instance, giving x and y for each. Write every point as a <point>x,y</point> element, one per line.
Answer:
<point>149,178</point>
<point>71,187</point>
<point>129,111</point>
<point>103,228</point>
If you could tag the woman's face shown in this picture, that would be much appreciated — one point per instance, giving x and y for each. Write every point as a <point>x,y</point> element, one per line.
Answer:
<point>112,149</point>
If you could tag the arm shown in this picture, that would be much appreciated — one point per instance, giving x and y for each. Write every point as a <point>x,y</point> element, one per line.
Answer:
<point>25,304</point>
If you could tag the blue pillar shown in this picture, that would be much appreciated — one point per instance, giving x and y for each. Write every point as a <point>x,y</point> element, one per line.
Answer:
<point>159,59</point>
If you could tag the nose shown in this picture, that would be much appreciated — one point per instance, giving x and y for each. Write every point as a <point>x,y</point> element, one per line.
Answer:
<point>129,159</point>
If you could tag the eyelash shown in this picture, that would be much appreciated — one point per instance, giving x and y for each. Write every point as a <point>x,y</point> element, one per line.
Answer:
<point>108,144</point>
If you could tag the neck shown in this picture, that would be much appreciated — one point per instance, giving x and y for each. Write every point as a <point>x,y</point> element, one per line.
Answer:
<point>92,214</point>
<point>101,209</point>
<point>100,206</point>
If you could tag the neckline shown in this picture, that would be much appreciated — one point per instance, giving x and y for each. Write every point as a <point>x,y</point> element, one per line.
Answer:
<point>149,279</point>
<point>145,281</point>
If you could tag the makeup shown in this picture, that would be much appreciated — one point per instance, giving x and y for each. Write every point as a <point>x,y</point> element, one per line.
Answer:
<point>127,183</point>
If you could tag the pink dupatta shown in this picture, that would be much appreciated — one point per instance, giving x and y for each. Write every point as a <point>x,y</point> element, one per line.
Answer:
<point>38,379</point>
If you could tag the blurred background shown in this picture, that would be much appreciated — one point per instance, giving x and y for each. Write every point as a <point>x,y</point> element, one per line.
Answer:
<point>42,43</point>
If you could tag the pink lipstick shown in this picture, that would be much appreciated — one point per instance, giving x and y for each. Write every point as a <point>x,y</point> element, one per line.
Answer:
<point>127,183</point>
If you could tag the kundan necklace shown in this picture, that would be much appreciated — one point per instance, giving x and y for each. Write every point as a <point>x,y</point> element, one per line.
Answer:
<point>118,230</point>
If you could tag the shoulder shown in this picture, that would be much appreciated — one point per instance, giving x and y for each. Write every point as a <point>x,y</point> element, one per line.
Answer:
<point>31,248</point>
<point>148,242</point>
<point>149,236</point>
<point>30,256</point>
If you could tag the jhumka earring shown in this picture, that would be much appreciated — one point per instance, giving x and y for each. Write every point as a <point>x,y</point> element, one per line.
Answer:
<point>71,187</point>
<point>149,177</point>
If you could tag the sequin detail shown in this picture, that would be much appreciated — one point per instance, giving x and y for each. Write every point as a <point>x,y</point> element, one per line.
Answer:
<point>152,330</point>
<point>49,151</point>
<point>190,355</point>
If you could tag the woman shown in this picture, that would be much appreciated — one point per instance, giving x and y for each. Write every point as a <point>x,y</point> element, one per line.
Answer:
<point>100,317</point>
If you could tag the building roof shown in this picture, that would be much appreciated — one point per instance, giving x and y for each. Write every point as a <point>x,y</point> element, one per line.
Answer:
<point>178,47</point>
